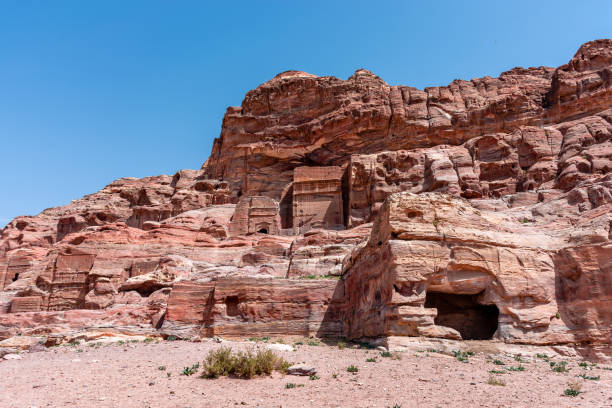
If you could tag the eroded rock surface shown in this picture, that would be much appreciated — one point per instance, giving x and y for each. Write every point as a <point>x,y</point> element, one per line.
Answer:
<point>350,208</point>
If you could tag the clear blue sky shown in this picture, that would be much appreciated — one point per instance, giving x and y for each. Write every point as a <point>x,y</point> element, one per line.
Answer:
<point>91,91</point>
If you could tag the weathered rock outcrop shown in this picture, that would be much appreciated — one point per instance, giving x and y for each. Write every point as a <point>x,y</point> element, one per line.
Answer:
<point>436,266</point>
<point>351,208</point>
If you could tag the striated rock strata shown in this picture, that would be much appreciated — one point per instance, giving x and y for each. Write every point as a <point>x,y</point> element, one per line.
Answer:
<point>351,208</point>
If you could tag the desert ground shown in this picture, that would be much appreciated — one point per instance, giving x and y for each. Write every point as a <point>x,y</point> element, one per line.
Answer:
<point>133,373</point>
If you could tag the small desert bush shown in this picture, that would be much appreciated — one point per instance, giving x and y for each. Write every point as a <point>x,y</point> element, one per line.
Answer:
<point>587,366</point>
<point>341,345</point>
<point>190,370</point>
<point>498,362</point>
<point>222,362</point>
<point>517,368</point>
<point>495,381</point>
<point>462,355</point>
<point>352,369</point>
<point>588,377</point>
<point>560,367</point>
<point>370,360</point>
<point>385,354</point>
<point>573,389</point>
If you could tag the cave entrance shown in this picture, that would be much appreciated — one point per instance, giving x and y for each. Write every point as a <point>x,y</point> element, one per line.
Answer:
<point>464,314</point>
<point>231,305</point>
<point>263,227</point>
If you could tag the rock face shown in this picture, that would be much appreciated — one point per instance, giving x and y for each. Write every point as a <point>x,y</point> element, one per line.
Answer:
<point>436,266</point>
<point>351,208</point>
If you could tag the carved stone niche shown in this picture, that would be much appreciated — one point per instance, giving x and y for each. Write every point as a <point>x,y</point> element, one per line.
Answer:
<point>317,198</point>
<point>255,214</point>
<point>70,224</point>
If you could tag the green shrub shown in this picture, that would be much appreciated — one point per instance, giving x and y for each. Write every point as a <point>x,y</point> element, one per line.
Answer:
<point>219,363</point>
<point>371,360</point>
<point>190,370</point>
<point>352,369</point>
<point>314,377</point>
<point>588,377</point>
<point>462,355</point>
<point>385,354</point>
<point>498,362</point>
<point>560,367</point>
<point>497,372</point>
<point>573,389</point>
<point>517,368</point>
<point>222,362</point>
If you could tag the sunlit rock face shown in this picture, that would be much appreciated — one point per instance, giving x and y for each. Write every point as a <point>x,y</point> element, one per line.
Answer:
<point>351,208</point>
<point>435,265</point>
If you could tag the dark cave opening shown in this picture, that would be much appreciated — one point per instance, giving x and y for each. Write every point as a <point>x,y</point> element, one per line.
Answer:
<point>263,231</point>
<point>464,314</point>
<point>231,305</point>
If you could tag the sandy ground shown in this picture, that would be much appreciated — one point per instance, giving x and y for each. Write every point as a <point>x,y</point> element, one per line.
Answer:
<point>148,375</point>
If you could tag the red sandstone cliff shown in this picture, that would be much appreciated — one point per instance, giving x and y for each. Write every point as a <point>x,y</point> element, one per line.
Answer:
<point>490,197</point>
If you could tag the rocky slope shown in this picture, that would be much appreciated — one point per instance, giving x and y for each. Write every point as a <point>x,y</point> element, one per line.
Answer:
<point>351,208</point>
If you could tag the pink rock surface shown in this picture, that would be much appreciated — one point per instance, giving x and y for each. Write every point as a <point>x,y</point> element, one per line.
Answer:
<point>481,208</point>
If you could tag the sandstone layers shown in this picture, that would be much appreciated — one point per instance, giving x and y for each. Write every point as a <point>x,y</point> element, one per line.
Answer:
<point>351,208</point>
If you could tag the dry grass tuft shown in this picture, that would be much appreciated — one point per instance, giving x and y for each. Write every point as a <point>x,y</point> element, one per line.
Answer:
<point>223,362</point>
